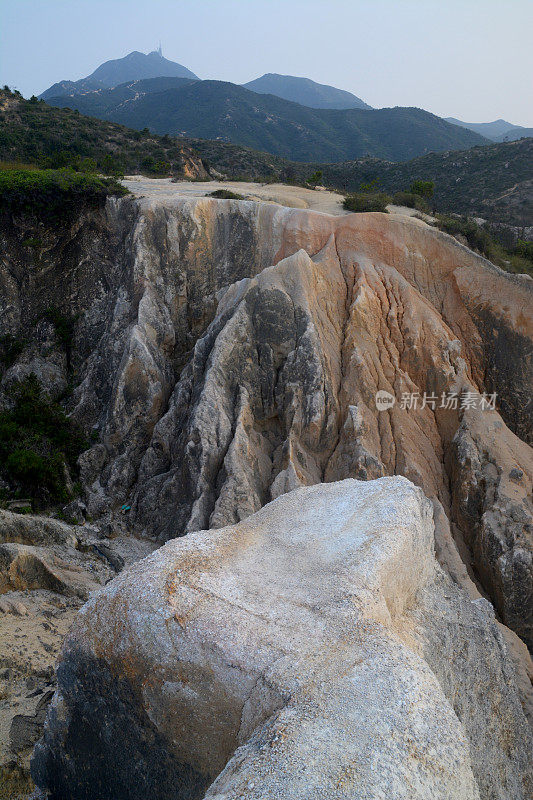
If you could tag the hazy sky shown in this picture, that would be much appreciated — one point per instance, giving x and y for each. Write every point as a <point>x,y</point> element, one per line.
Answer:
<point>471,59</point>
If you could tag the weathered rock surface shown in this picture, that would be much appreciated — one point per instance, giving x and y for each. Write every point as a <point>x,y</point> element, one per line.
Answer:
<point>314,650</point>
<point>225,352</point>
<point>47,570</point>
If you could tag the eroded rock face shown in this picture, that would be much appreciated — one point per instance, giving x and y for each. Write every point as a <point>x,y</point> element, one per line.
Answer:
<point>314,650</point>
<point>225,352</point>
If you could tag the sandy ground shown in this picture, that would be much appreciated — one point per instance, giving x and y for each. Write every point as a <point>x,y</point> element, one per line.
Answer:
<point>291,196</point>
<point>321,200</point>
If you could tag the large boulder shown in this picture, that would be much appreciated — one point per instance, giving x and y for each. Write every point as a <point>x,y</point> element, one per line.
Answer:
<point>314,650</point>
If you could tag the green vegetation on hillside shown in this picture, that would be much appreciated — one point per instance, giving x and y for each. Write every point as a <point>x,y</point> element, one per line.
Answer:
<point>223,110</point>
<point>493,182</point>
<point>490,181</point>
<point>39,444</point>
<point>54,138</point>
<point>518,259</point>
<point>54,194</point>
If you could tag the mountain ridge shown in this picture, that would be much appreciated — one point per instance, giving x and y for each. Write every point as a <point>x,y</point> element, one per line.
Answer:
<point>134,66</point>
<point>305,91</point>
<point>222,110</point>
<point>497,131</point>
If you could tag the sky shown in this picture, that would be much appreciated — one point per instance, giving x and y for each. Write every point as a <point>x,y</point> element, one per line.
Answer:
<point>470,59</point>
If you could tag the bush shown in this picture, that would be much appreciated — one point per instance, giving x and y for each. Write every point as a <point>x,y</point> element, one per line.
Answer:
<point>10,349</point>
<point>410,200</point>
<point>524,249</point>
<point>373,201</point>
<point>111,166</point>
<point>477,238</point>
<point>155,166</point>
<point>53,193</point>
<point>226,194</point>
<point>37,443</point>
<point>63,325</point>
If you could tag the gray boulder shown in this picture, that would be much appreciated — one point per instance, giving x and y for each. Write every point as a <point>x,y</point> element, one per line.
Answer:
<point>314,650</point>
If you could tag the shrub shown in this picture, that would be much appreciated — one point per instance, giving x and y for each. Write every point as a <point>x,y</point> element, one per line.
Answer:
<point>53,193</point>
<point>524,249</point>
<point>111,166</point>
<point>410,200</point>
<point>480,239</point>
<point>226,194</point>
<point>10,349</point>
<point>63,326</point>
<point>37,443</point>
<point>374,201</point>
<point>155,167</point>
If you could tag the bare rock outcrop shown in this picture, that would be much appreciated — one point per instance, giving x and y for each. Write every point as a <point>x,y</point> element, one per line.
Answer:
<point>224,352</point>
<point>314,650</point>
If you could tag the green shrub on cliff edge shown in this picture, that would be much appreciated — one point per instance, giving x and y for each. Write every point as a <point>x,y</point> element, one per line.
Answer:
<point>226,194</point>
<point>366,201</point>
<point>39,444</point>
<point>54,194</point>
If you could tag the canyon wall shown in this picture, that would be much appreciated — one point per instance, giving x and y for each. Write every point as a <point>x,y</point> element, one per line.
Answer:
<point>224,352</point>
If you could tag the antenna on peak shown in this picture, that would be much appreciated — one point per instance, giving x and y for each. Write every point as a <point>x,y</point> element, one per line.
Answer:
<point>159,49</point>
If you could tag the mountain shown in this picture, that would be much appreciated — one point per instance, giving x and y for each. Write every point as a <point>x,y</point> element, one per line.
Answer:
<point>305,91</point>
<point>498,131</point>
<point>219,110</point>
<point>517,132</point>
<point>133,67</point>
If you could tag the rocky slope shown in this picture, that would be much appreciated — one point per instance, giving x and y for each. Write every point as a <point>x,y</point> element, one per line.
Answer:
<point>223,352</point>
<point>315,650</point>
<point>212,381</point>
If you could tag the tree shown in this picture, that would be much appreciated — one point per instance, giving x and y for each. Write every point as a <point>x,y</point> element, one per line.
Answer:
<point>315,178</point>
<point>422,188</point>
<point>372,186</point>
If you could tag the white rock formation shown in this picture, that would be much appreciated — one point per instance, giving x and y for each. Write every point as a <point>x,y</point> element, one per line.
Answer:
<point>315,650</point>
